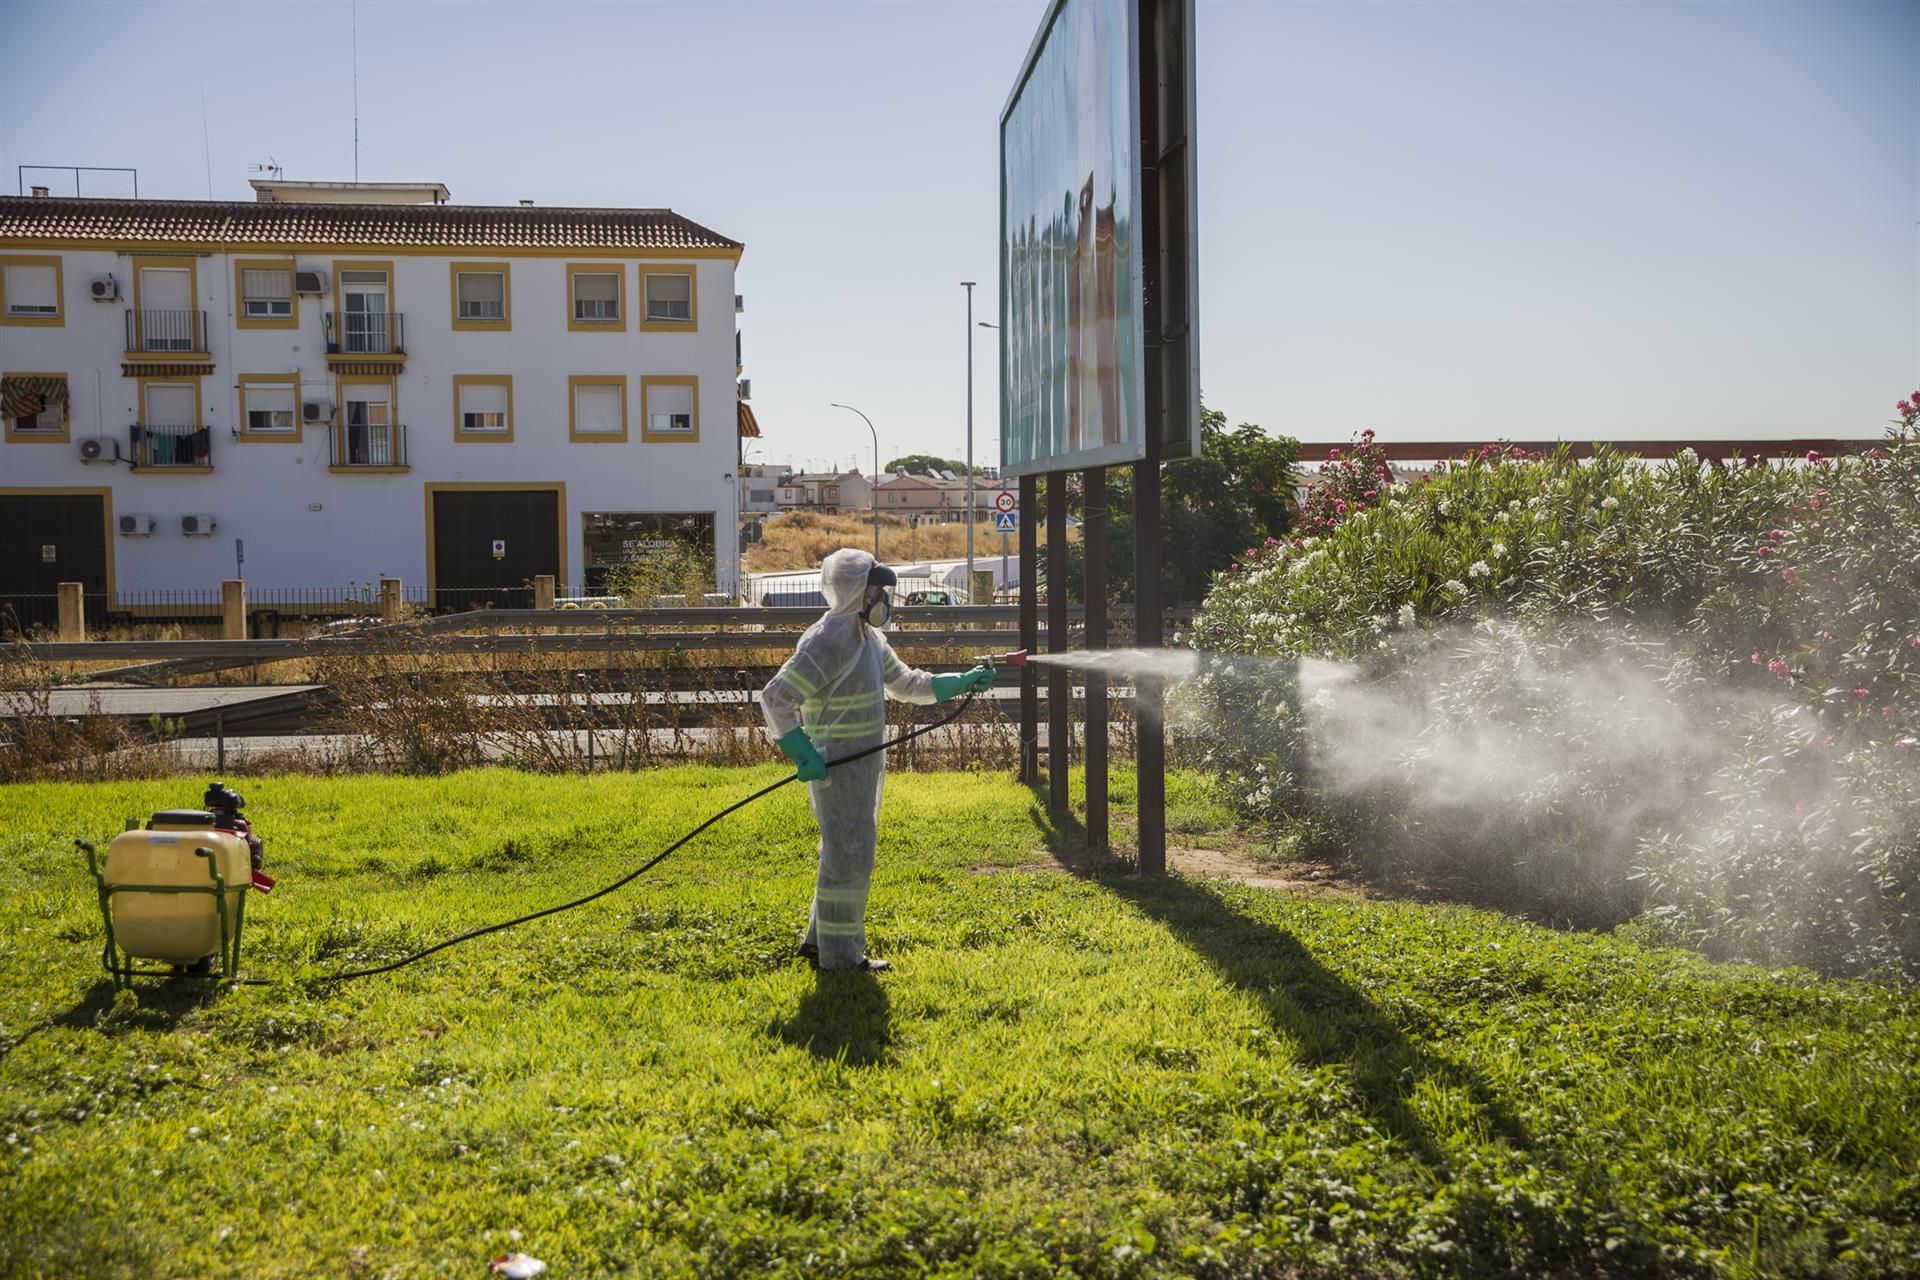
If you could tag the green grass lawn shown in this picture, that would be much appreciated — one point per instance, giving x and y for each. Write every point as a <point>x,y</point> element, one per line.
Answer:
<point>1069,1072</point>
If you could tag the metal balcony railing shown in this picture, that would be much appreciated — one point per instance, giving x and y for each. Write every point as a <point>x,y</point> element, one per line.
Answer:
<point>352,444</point>
<point>162,446</point>
<point>370,333</point>
<point>149,331</point>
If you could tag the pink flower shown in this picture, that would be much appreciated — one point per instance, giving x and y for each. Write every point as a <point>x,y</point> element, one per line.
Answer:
<point>1779,668</point>
<point>1914,643</point>
<point>1875,454</point>
<point>1859,693</point>
<point>1903,408</point>
<point>1786,575</point>
<point>1367,435</point>
<point>1763,550</point>
<point>1886,713</point>
<point>1813,504</point>
<point>1372,494</point>
<point>1340,505</point>
<point>1333,455</point>
<point>1777,534</point>
<point>1813,455</point>
<point>1757,659</point>
<point>1273,542</point>
<point>1827,741</point>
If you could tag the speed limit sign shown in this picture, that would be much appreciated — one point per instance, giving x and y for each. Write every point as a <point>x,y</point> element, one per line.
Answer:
<point>1006,501</point>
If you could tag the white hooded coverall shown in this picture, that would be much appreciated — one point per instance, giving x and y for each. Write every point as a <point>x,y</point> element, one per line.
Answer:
<point>833,687</point>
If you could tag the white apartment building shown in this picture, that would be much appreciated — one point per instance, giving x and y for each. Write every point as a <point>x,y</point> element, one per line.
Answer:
<point>352,381</point>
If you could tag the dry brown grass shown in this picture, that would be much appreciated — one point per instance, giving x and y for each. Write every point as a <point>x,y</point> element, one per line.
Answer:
<point>798,540</point>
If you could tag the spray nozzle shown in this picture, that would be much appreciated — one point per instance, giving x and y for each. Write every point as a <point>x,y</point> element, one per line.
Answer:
<point>1018,658</point>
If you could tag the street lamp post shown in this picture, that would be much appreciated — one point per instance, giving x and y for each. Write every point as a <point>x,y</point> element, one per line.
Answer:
<point>873,497</point>
<point>968,286</point>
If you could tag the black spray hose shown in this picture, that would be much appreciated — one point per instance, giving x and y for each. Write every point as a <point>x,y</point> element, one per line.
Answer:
<point>349,974</point>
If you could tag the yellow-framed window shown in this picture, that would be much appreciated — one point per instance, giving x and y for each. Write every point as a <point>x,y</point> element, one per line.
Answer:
<point>596,296</point>
<point>263,296</point>
<point>37,408</point>
<point>33,289</point>
<point>482,295</point>
<point>672,299</point>
<point>483,407</point>
<point>270,408</point>
<point>597,408</point>
<point>671,408</point>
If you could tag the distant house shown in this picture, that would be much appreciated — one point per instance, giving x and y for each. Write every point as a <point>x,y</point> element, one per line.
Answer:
<point>827,492</point>
<point>934,497</point>
<point>760,485</point>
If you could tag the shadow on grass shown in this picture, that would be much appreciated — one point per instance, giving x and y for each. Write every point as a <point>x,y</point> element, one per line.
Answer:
<point>1329,1019</point>
<point>844,1018</point>
<point>152,1006</point>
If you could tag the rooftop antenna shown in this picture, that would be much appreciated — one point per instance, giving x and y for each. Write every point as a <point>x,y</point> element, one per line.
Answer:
<point>356,90</point>
<point>206,141</point>
<point>272,168</point>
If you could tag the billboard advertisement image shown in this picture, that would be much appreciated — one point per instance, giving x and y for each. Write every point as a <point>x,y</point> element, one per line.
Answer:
<point>1070,259</point>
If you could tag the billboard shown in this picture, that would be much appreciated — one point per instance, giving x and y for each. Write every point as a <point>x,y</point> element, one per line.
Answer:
<point>1079,248</point>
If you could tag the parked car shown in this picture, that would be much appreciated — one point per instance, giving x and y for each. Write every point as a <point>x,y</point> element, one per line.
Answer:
<point>932,598</point>
<point>793,600</point>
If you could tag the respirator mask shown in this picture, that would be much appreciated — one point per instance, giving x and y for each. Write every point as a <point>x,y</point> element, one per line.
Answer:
<point>878,611</point>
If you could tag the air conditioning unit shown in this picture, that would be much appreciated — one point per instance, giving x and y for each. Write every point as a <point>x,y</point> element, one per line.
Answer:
<point>746,388</point>
<point>98,449</point>
<point>133,525</point>
<point>197,526</point>
<point>739,303</point>
<point>316,411</point>
<point>105,288</point>
<point>309,282</point>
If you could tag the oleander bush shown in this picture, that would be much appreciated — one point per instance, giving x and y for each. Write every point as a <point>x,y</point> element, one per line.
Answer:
<point>1598,689</point>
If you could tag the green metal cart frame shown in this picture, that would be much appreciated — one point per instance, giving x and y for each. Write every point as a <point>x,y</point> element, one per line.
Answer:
<point>120,965</point>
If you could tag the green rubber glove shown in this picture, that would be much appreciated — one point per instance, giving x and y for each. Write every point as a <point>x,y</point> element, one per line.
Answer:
<point>800,749</point>
<point>978,680</point>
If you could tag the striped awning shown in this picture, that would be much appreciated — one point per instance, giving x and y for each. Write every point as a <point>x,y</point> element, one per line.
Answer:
<point>24,394</point>
<point>144,370</point>
<point>749,425</point>
<point>372,368</point>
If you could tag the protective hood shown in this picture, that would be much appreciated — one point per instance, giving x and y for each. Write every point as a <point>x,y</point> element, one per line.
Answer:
<point>843,580</point>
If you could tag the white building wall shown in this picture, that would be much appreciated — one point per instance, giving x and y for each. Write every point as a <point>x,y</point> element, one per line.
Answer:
<point>304,526</point>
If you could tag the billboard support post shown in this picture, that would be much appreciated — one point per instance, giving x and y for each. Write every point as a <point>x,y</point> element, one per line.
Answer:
<point>1029,632</point>
<point>1093,544</point>
<point>1059,678</point>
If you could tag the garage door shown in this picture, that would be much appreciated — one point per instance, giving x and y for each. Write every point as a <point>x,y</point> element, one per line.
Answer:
<point>489,545</point>
<point>47,539</point>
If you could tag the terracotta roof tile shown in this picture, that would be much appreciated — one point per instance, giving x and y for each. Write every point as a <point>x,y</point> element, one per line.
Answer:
<point>448,226</point>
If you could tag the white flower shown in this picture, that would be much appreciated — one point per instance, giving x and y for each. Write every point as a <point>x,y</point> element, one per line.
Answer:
<point>1514,505</point>
<point>1609,502</point>
<point>1479,569</point>
<point>1406,614</point>
<point>1687,455</point>
<point>1499,550</point>
<point>1453,586</point>
<point>1446,506</point>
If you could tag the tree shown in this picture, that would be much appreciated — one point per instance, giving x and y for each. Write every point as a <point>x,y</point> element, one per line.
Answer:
<point>1235,495</point>
<point>924,463</point>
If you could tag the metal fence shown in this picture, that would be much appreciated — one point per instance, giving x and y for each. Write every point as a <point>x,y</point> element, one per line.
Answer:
<point>149,331</point>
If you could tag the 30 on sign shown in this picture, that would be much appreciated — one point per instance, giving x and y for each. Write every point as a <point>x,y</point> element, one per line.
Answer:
<point>1006,501</point>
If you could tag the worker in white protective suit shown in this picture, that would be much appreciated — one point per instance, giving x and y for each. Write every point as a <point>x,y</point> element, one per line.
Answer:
<point>826,704</point>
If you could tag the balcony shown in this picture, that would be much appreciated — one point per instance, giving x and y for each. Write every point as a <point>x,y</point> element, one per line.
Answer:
<point>379,336</point>
<point>367,449</point>
<point>153,335</point>
<point>177,449</point>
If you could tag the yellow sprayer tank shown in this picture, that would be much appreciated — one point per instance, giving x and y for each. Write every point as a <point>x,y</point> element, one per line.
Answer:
<point>179,928</point>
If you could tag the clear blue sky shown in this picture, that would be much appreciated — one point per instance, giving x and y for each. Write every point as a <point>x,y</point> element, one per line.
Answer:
<point>1437,220</point>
